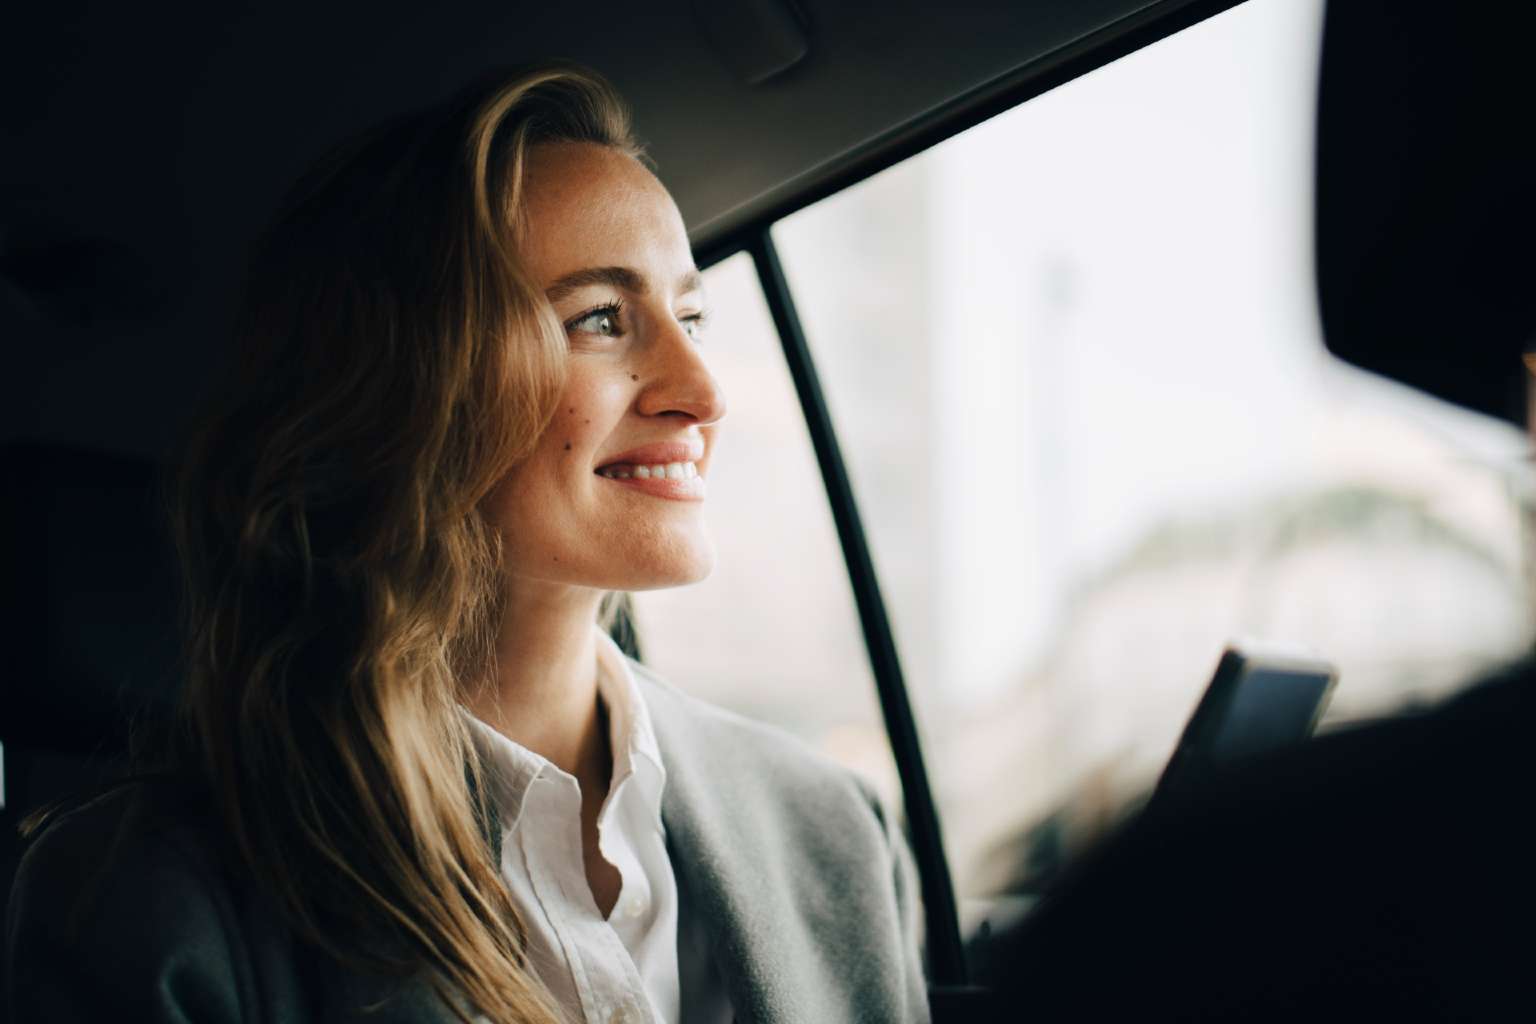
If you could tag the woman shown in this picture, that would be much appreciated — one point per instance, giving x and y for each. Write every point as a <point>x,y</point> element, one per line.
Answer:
<point>413,778</point>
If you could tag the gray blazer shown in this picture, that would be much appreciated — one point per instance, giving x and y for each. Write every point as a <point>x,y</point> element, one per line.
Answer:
<point>807,893</point>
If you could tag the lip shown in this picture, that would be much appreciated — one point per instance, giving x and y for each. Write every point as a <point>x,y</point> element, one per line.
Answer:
<point>674,490</point>
<point>657,454</point>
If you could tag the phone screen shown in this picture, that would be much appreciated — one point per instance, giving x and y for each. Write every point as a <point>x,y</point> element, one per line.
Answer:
<point>1254,705</point>
<point>1268,709</point>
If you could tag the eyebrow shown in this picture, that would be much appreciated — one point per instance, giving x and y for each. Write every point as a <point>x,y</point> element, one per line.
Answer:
<point>623,278</point>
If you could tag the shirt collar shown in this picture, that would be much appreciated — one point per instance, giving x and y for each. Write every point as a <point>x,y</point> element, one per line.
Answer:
<point>629,720</point>
<point>510,768</point>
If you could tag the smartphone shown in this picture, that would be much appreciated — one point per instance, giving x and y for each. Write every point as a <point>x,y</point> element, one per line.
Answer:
<point>1257,702</point>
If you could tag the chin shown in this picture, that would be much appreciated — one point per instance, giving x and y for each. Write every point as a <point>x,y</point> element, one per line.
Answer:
<point>678,568</point>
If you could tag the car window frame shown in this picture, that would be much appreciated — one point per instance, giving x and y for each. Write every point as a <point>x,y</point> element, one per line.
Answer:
<point>949,975</point>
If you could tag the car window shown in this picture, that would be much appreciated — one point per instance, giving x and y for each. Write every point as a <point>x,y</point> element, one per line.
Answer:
<point>773,632</point>
<point>1073,359</point>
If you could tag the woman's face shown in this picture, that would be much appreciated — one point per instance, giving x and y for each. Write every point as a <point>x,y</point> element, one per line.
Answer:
<point>590,506</point>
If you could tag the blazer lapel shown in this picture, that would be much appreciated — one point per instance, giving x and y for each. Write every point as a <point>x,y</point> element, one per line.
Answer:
<point>787,867</point>
<point>709,839</point>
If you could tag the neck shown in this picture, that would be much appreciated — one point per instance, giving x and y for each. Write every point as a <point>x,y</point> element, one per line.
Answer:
<point>543,694</point>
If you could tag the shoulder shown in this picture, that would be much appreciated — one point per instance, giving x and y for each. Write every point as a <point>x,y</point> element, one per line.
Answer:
<point>143,832</point>
<point>119,908</point>
<point>798,850</point>
<point>736,744</point>
<point>764,786</point>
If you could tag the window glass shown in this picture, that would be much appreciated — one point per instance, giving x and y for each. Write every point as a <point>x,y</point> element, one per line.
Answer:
<point>773,632</point>
<point>1074,362</point>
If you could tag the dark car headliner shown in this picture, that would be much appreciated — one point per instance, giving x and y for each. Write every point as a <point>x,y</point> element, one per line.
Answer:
<point>146,144</point>
<point>144,148</point>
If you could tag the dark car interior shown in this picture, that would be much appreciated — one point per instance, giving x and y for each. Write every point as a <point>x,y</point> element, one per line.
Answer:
<point>144,149</point>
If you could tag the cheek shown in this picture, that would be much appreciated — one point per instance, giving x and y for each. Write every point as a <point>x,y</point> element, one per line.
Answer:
<point>590,409</point>
<point>532,510</point>
<point>544,498</point>
<point>560,525</point>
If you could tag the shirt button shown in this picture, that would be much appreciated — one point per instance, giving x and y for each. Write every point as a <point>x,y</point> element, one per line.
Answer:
<point>634,907</point>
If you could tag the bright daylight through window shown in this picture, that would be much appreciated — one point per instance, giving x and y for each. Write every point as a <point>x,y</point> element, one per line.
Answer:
<point>1074,363</point>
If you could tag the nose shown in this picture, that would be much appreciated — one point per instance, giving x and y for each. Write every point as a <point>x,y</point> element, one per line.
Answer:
<point>677,382</point>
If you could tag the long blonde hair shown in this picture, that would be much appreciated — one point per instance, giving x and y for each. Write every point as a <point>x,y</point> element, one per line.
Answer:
<point>341,586</point>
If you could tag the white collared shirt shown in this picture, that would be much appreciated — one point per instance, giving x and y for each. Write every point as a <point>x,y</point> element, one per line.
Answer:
<point>600,971</point>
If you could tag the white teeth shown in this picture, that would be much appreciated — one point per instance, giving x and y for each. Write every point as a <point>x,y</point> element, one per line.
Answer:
<point>667,471</point>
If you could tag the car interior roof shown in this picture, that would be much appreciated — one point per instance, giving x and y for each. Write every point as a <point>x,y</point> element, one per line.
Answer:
<point>147,146</point>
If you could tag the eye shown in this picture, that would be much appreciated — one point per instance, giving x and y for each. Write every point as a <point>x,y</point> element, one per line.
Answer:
<point>605,320</point>
<point>694,324</point>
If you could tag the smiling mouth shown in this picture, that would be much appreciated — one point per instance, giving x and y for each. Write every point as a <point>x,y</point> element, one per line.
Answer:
<point>660,471</point>
<point>674,481</point>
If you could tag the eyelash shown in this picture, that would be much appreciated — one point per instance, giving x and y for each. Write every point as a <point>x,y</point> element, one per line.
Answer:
<point>615,309</point>
<point>699,321</point>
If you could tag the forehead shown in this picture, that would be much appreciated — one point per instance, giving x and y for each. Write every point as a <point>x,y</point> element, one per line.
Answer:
<point>586,205</point>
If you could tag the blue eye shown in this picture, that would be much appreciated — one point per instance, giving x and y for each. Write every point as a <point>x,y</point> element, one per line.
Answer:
<point>603,320</point>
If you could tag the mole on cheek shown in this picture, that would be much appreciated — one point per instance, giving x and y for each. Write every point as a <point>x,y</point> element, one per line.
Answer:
<point>567,446</point>
<point>634,376</point>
